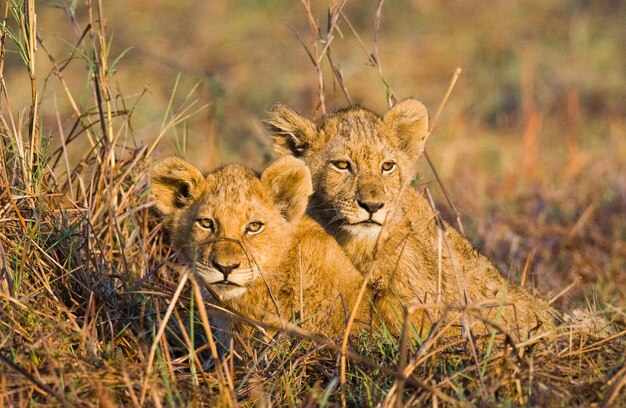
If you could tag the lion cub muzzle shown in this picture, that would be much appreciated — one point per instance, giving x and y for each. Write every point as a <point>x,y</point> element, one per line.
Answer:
<point>370,197</point>
<point>226,269</point>
<point>226,257</point>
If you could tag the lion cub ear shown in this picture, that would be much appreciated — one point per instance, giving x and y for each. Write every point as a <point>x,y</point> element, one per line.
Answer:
<point>408,121</point>
<point>174,183</point>
<point>293,134</point>
<point>289,181</point>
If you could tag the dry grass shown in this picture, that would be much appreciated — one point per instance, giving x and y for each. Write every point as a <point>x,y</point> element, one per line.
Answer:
<point>90,314</point>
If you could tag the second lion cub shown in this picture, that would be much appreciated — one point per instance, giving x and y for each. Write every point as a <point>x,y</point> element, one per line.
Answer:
<point>248,238</point>
<point>361,163</point>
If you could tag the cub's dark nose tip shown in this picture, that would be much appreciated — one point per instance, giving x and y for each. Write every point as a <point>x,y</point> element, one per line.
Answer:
<point>225,269</point>
<point>370,206</point>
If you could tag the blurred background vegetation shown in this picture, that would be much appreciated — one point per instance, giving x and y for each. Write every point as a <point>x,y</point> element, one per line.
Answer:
<point>531,144</point>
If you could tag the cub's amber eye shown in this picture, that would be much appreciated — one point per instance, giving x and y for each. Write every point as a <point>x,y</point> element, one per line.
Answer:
<point>341,165</point>
<point>388,167</point>
<point>254,227</point>
<point>206,224</point>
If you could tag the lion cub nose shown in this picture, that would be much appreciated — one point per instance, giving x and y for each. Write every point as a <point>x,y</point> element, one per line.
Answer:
<point>225,269</point>
<point>370,206</point>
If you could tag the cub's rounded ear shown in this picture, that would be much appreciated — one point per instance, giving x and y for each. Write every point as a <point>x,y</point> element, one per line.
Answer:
<point>289,181</point>
<point>293,134</point>
<point>174,184</point>
<point>408,121</point>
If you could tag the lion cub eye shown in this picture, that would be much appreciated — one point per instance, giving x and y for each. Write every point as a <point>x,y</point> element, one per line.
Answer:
<point>206,224</point>
<point>254,227</point>
<point>341,165</point>
<point>388,167</point>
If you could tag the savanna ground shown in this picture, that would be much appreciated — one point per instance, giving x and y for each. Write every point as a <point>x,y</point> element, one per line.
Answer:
<point>530,147</point>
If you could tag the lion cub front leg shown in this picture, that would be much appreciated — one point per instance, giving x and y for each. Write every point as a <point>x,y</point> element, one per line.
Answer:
<point>379,280</point>
<point>382,281</point>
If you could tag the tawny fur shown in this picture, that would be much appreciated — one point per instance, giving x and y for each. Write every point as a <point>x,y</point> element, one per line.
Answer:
<point>381,155</point>
<point>291,256</point>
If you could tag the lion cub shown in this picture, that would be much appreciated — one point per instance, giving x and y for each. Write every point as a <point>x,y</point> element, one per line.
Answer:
<point>248,239</point>
<point>361,165</point>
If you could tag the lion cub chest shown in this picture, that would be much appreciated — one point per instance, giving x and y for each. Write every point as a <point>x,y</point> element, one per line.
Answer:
<point>315,285</point>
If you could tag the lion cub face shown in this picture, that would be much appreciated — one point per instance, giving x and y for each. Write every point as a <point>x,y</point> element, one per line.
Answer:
<point>231,224</point>
<point>359,161</point>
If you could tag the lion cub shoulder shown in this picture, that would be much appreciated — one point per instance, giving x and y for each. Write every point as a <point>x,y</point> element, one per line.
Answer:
<point>249,241</point>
